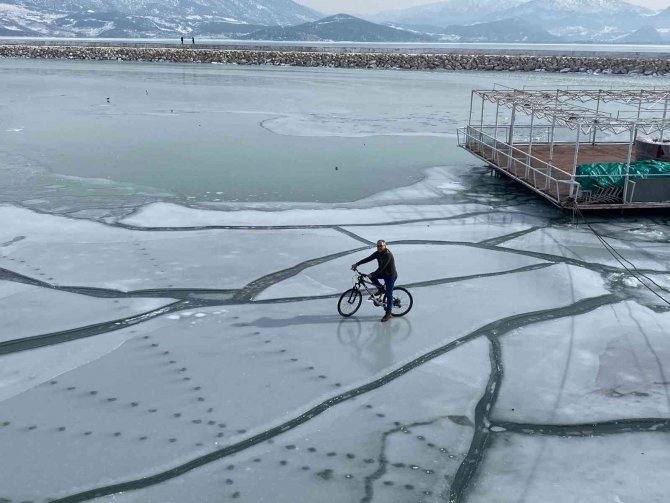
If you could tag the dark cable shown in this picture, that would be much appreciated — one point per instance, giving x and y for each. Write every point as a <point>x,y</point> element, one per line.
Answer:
<point>619,258</point>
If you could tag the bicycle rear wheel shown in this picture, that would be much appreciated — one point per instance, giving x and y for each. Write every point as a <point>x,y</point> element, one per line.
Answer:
<point>349,302</point>
<point>402,301</point>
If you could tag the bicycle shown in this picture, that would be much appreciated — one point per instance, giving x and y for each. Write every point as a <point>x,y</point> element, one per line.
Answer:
<point>350,301</point>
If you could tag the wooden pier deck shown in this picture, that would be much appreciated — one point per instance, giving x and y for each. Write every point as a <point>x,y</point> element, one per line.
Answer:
<point>545,172</point>
<point>564,155</point>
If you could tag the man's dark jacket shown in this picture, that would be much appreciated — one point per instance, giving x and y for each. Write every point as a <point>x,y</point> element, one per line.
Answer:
<point>385,264</point>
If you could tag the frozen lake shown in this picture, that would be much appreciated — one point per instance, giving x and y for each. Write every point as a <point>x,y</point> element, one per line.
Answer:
<point>170,264</point>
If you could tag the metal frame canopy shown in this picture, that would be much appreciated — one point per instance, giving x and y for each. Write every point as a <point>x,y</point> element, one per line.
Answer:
<point>644,110</point>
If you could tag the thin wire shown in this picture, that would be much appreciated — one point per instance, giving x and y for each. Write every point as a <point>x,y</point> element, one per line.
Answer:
<point>619,258</point>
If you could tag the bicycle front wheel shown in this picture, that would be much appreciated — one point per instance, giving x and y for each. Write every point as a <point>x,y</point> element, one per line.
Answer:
<point>349,302</point>
<point>402,301</point>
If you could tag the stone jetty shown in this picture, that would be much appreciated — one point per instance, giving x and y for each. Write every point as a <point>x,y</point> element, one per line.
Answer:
<point>338,59</point>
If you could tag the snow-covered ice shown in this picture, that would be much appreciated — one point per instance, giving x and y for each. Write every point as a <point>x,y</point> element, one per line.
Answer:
<point>611,361</point>
<point>387,449</point>
<point>65,251</point>
<point>602,469</point>
<point>169,215</point>
<point>420,263</point>
<point>580,244</point>
<point>61,310</point>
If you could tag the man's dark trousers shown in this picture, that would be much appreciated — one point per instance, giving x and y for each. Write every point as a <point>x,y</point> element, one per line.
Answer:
<point>389,282</point>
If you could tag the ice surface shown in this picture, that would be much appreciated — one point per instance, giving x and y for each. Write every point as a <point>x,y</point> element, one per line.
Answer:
<point>601,469</point>
<point>608,364</point>
<point>170,215</point>
<point>72,252</point>
<point>393,444</point>
<point>415,263</point>
<point>517,312</point>
<point>28,311</point>
<point>580,244</point>
<point>26,369</point>
<point>245,367</point>
<point>472,229</point>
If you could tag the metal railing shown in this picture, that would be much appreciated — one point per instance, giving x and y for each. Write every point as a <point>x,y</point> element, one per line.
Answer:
<point>552,182</point>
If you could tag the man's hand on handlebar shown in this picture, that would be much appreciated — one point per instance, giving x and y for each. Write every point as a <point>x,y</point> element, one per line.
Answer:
<point>355,268</point>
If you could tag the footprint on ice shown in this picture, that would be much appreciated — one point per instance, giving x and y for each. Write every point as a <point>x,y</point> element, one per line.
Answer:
<point>173,317</point>
<point>200,315</point>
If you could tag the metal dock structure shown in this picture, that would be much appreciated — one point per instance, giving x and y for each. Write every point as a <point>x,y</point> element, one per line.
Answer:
<point>541,138</point>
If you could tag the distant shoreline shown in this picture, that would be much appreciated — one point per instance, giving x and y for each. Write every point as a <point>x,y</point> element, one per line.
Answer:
<point>346,57</point>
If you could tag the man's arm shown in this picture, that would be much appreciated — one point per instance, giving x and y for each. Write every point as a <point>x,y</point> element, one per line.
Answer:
<point>365,260</point>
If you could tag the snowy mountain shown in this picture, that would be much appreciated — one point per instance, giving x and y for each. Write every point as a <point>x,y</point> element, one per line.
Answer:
<point>577,20</point>
<point>17,21</point>
<point>468,20</point>
<point>581,19</point>
<point>506,30</point>
<point>449,12</point>
<point>645,35</point>
<point>660,20</point>
<point>144,17</point>
<point>341,27</point>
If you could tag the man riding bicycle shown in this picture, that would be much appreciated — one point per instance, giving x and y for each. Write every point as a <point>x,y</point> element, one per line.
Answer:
<point>385,270</point>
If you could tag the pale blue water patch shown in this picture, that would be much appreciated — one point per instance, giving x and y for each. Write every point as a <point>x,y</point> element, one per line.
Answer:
<point>77,134</point>
<point>197,132</point>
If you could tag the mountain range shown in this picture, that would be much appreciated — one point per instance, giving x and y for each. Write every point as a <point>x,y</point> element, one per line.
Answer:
<point>531,21</point>
<point>571,20</point>
<point>146,18</point>
<point>338,28</point>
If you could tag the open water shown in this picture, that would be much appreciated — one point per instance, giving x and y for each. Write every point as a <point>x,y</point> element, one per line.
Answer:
<point>77,134</point>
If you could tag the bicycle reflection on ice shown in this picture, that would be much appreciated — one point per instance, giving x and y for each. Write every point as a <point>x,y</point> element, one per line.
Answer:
<point>373,342</point>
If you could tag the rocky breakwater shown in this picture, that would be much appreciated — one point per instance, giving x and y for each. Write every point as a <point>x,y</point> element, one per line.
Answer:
<point>448,61</point>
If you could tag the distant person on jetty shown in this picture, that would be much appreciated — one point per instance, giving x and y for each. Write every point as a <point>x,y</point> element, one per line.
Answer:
<point>193,40</point>
<point>182,40</point>
<point>385,270</point>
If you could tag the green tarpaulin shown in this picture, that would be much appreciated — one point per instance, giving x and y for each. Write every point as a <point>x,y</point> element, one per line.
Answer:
<point>609,174</point>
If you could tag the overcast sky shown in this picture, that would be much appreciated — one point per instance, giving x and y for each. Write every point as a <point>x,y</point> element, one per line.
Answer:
<point>374,6</point>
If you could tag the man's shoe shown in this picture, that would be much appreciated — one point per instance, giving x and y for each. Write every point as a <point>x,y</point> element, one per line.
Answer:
<point>386,317</point>
<point>380,292</point>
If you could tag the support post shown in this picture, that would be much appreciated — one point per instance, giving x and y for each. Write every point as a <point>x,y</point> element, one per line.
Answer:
<point>481,122</point>
<point>553,127</point>
<point>510,138</point>
<point>530,144</point>
<point>630,154</point>
<point>574,161</point>
<point>595,121</point>
<point>639,108</point>
<point>472,97</point>
<point>665,113</point>
<point>495,134</point>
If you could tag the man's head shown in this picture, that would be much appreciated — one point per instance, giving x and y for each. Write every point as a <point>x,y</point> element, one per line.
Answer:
<point>381,245</point>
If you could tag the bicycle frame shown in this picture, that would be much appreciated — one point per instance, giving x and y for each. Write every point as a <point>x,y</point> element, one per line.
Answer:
<point>362,281</point>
